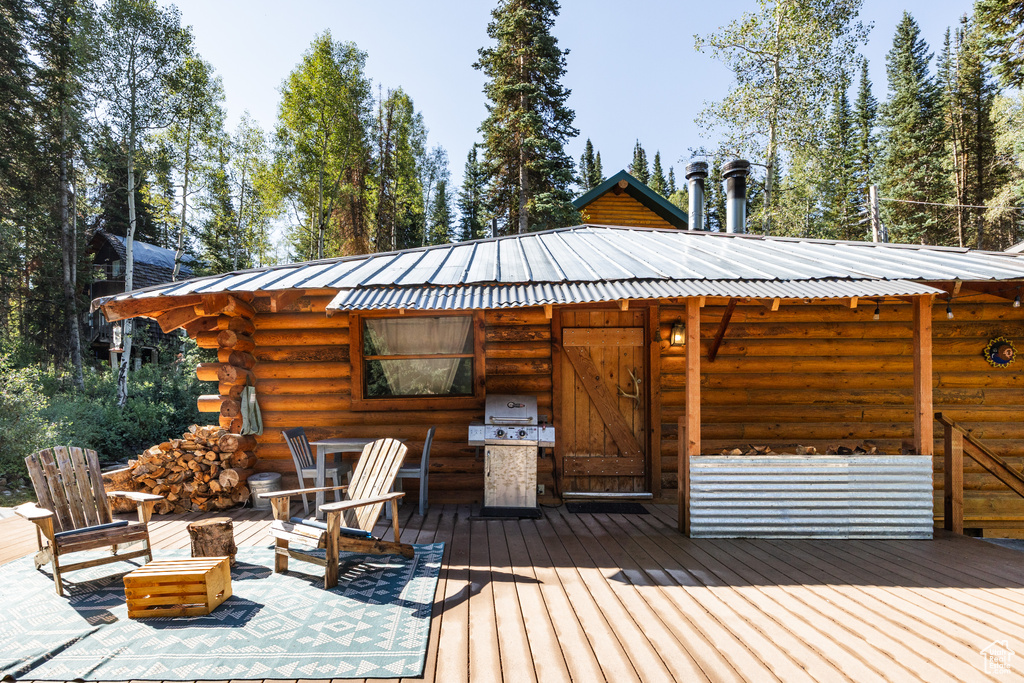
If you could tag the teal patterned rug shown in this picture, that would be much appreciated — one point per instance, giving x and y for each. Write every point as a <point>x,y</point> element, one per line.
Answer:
<point>375,624</point>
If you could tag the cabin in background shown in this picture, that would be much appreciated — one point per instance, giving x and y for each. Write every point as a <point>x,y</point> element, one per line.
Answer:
<point>153,266</point>
<point>624,200</point>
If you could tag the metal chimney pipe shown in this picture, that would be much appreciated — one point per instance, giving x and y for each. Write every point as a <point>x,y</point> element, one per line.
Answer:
<point>696,172</point>
<point>735,174</point>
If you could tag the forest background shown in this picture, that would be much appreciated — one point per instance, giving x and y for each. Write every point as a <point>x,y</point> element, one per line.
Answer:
<point>98,98</point>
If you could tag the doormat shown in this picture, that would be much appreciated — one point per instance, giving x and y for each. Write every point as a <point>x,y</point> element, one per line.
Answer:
<point>599,507</point>
<point>374,624</point>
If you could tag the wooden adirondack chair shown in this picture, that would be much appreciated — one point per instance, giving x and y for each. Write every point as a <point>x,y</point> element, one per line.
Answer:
<point>73,513</point>
<point>349,522</point>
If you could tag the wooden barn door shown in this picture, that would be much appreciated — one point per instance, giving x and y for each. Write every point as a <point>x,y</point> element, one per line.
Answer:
<point>603,396</point>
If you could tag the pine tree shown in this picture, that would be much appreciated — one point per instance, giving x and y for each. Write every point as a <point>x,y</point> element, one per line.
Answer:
<point>714,197</point>
<point>968,100</point>
<point>913,141</point>
<point>670,187</point>
<point>400,139</point>
<point>837,189</point>
<point>865,141</point>
<point>529,121</point>
<point>1002,30</point>
<point>472,218</point>
<point>221,249</point>
<point>440,225</point>
<point>587,170</point>
<point>638,169</point>
<point>658,183</point>
<point>598,176</point>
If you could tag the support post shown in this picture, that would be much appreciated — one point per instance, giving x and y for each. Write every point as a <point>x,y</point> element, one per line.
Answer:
<point>953,488</point>
<point>924,414</point>
<point>689,424</point>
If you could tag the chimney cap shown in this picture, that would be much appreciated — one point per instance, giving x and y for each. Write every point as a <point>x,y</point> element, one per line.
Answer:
<point>736,167</point>
<point>697,169</point>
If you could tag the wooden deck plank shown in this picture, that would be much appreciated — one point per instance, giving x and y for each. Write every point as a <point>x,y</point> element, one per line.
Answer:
<point>517,661</point>
<point>438,527</point>
<point>580,659</point>
<point>484,655</point>
<point>548,660</point>
<point>590,597</point>
<point>626,586</point>
<point>611,655</point>
<point>733,615</point>
<point>906,654</point>
<point>453,640</point>
<point>643,654</point>
<point>924,644</point>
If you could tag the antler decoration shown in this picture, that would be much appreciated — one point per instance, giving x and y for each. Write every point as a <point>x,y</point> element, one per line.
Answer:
<point>636,382</point>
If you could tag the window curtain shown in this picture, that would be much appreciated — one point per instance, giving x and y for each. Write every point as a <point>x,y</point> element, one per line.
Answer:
<point>416,376</point>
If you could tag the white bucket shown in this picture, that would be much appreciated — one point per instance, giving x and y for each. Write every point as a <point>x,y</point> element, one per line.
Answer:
<point>264,482</point>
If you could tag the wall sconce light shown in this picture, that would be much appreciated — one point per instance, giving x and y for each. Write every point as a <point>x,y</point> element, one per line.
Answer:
<point>877,311</point>
<point>1016,301</point>
<point>678,336</point>
<point>949,308</point>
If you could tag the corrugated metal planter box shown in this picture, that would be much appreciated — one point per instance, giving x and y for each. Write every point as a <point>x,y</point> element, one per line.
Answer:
<point>819,496</point>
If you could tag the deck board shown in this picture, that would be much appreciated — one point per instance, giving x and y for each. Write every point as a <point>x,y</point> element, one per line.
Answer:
<point>627,598</point>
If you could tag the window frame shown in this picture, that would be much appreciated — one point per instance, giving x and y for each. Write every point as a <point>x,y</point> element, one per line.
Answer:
<point>361,402</point>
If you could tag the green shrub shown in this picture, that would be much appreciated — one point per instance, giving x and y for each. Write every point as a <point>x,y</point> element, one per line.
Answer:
<point>41,409</point>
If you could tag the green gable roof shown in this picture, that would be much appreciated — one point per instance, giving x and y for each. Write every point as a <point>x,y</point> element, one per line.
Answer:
<point>643,194</point>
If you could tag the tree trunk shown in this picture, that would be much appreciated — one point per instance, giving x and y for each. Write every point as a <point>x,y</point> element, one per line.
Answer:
<point>68,257</point>
<point>320,211</point>
<point>129,273</point>
<point>184,203</point>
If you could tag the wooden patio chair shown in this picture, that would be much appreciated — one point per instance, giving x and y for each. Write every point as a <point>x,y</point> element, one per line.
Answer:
<point>421,472</point>
<point>73,513</point>
<point>350,522</point>
<point>305,463</point>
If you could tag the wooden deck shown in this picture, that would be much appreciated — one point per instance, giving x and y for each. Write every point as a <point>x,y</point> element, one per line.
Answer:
<point>627,598</point>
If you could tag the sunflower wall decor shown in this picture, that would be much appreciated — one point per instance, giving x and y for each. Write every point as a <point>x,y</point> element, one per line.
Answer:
<point>1000,353</point>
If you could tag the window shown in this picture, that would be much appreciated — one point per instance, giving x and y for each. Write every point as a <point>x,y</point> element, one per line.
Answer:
<point>402,361</point>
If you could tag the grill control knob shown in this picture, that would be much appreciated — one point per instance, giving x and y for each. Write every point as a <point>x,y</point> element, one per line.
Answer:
<point>500,432</point>
<point>522,433</point>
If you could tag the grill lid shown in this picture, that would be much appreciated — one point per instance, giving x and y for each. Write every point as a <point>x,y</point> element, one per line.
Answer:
<point>510,409</point>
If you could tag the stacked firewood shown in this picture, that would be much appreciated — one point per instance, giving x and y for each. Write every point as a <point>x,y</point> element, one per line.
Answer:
<point>865,448</point>
<point>206,469</point>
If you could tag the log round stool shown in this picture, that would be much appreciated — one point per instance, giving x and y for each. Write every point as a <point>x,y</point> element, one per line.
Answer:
<point>213,537</point>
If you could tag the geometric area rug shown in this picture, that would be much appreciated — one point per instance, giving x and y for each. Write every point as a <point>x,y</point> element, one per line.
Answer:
<point>374,624</point>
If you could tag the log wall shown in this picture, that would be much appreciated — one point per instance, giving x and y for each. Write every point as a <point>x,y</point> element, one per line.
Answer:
<point>823,375</point>
<point>303,379</point>
<point>806,374</point>
<point>621,209</point>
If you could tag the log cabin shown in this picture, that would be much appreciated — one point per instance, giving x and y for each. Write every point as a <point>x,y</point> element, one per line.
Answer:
<point>624,200</point>
<point>734,341</point>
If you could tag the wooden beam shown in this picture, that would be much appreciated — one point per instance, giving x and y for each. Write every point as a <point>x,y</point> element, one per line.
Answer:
<point>620,187</point>
<point>852,302</point>
<point>130,308</point>
<point>953,488</point>
<point>548,311</point>
<point>689,435</point>
<point>653,380</point>
<point>281,300</point>
<point>719,335</point>
<point>623,304</point>
<point>224,304</point>
<point>956,286</point>
<point>177,317</point>
<point>703,299</point>
<point>923,404</point>
<point>200,325</point>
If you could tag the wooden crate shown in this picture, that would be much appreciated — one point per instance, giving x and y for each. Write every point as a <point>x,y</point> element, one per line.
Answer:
<point>178,588</point>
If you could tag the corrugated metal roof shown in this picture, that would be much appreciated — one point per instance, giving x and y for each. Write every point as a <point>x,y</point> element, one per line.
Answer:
<point>513,296</point>
<point>611,262</point>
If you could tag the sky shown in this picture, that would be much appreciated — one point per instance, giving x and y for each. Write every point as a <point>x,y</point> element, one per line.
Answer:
<point>632,67</point>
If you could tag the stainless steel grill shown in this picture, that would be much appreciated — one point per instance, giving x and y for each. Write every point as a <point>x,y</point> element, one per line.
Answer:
<point>511,436</point>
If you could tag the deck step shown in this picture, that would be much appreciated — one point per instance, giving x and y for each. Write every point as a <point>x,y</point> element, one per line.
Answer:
<point>605,495</point>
